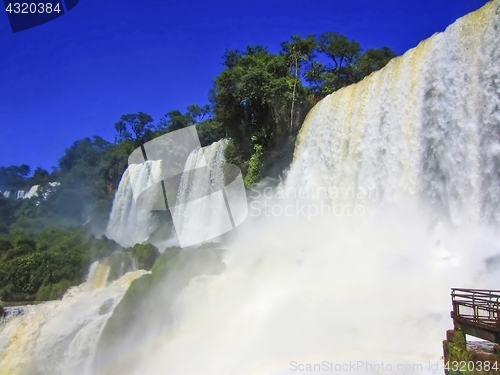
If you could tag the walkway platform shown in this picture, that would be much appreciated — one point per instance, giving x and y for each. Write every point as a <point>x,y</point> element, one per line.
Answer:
<point>476,312</point>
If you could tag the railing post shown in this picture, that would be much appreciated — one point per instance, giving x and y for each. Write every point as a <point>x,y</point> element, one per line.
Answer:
<point>474,308</point>
<point>455,309</point>
<point>498,321</point>
<point>496,308</point>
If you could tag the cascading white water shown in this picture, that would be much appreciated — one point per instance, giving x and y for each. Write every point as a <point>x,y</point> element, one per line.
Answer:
<point>59,337</point>
<point>318,294</point>
<point>128,224</point>
<point>426,124</point>
<point>194,216</point>
<point>21,194</point>
<point>33,191</point>
<point>339,290</point>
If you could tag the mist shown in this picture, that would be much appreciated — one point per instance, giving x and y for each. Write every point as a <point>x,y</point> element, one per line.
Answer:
<point>338,289</point>
<point>323,276</point>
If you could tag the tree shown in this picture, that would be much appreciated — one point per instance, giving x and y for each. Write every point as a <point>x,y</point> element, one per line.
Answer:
<point>258,99</point>
<point>84,187</point>
<point>373,60</point>
<point>209,131</point>
<point>341,50</point>
<point>297,52</point>
<point>7,210</point>
<point>175,120</point>
<point>320,79</point>
<point>252,96</point>
<point>40,177</point>
<point>344,54</point>
<point>82,157</point>
<point>113,164</point>
<point>14,177</point>
<point>198,113</point>
<point>141,125</point>
<point>350,64</point>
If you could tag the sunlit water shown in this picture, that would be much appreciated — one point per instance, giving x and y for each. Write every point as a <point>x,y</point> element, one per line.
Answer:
<point>407,162</point>
<point>59,337</point>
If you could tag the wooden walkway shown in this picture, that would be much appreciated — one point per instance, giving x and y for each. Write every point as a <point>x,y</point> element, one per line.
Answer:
<point>476,312</point>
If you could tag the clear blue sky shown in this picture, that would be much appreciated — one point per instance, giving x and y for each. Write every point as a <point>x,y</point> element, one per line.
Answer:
<point>75,76</point>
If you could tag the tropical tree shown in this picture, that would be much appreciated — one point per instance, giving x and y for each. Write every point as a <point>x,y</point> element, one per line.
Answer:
<point>140,124</point>
<point>40,177</point>
<point>252,96</point>
<point>14,177</point>
<point>344,54</point>
<point>175,120</point>
<point>373,60</point>
<point>298,52</point>
<point>198,113</point>
<point>342,51</point>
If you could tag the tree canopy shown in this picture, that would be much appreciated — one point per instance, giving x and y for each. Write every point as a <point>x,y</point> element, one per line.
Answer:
<point>258,101</point>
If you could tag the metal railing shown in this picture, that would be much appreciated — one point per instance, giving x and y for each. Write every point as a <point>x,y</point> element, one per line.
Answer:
<point>478,306</point>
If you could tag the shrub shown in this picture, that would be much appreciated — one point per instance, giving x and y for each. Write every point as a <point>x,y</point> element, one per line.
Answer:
<point>254,166</point>
<point>53,291</point>
<point>20,237</point>
<point>145,255</point>
<point>45,269</point>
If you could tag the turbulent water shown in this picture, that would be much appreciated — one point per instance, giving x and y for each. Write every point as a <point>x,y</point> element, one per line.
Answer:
<point>60,337</point>
<point>427,124</point>
<point>392,199</point>
<point>128,224</point>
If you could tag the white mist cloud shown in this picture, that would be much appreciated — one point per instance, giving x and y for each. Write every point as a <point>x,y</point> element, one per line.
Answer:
<point>297,292</point>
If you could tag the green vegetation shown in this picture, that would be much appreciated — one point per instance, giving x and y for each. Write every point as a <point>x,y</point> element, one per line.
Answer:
<point>145,255</point>
<point>44,266</point>
<point>458,356</point>
<point>41,268</point>
<point>255,164</point>
<point>258,101</point>
<point>88,173</point>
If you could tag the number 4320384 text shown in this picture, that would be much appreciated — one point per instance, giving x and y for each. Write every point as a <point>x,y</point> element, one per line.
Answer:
<point>27,8</point>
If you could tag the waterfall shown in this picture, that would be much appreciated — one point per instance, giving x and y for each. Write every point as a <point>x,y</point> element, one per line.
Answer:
<point>97,276</point>
<point>333,294</point>
<point>192,219</point>
<point>130,224</point>
<point>33,191</point>
<point>427,124</point>
<point>348,294</point>
<point>59,337</point>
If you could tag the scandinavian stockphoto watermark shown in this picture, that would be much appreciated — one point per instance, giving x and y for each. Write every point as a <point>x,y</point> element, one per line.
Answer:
<point>159,187</point>
<point>311,202</point>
